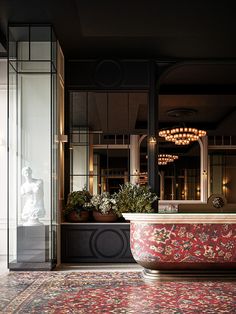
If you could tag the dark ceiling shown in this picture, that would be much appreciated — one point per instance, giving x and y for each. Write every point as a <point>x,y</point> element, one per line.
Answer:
<point>165,29</point>
<point>200,34</point>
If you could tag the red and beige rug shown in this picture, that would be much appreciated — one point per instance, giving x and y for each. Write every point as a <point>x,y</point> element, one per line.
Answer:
<point>111,292</point>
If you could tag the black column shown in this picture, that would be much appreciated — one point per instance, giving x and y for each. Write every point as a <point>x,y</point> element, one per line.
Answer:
<point>153,131</point>
<point>3,45</point>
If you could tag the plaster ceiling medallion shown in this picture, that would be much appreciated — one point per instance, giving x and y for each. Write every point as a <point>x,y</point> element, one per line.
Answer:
<point>181,112</point>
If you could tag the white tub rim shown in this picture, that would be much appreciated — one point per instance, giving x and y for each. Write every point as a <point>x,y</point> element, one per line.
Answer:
<point>181,218</point>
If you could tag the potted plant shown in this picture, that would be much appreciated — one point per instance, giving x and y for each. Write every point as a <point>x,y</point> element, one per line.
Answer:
<point>78,206</point>
<point>133,198</point>
<point>105,209</point>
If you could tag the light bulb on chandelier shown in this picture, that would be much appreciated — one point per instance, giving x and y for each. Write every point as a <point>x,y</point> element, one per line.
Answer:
<point>182,135</point>
<point>164,159</point>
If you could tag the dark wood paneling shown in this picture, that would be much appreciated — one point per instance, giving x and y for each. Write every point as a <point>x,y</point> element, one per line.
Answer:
<point>96,242</point>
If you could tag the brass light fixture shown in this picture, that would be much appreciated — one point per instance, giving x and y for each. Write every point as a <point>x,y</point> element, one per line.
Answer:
<point>182,135</point>
<point>152,140</point>
<point>164,159</point>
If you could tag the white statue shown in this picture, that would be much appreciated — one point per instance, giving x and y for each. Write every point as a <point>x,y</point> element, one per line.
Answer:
<point>32,191</point>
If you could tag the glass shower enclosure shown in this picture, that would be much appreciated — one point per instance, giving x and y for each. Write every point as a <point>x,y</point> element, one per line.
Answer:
<point>33,144</point>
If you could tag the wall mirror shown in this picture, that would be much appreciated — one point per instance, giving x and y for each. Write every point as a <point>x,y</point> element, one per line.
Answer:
<point>108,147</point>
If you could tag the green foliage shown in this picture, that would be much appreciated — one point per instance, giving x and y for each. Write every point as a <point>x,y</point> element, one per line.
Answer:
<point>105,203</point>
<point>77,201</point>
<point>130,198</point>
<point>135,199</point>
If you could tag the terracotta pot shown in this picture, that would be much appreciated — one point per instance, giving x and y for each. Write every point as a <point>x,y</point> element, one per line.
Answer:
<point>111,217</point>
<point>82,216</point>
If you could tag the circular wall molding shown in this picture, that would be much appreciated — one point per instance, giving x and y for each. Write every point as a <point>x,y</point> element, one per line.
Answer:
<point>108,243</point>
<point>108,74</point>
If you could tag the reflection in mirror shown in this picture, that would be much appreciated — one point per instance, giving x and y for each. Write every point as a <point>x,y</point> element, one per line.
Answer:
<point>104,139</point>
<point>179,179</point>
<point>110,169</point>
<point>108,147</point>
<point>223,173</point>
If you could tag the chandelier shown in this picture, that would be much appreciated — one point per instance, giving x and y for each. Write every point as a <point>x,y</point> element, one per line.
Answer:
<point>182,135</point>
<point>164,159</point>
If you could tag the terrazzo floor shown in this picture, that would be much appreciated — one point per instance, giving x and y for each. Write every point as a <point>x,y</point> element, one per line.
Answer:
<point>104,292</point>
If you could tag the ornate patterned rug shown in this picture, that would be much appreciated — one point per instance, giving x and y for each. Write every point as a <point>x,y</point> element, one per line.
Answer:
<point>111,292</point>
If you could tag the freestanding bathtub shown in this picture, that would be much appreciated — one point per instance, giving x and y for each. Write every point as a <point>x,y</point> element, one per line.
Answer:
<point>186,242</point>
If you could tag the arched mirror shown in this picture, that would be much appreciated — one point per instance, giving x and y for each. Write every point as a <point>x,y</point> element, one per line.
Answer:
<point>200,95</point>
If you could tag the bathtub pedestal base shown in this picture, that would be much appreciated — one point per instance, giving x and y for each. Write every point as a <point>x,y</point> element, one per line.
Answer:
<point>150,274</point>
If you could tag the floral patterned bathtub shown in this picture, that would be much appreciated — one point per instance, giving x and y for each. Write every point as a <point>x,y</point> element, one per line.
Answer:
<point>183,241</point>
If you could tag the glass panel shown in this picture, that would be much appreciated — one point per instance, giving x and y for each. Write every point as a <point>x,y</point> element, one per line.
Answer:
<point>29,162</point>
<point>118,169</point>
<point>54,51</point>
<point>40,43</point>
<point>79,182</point>
<point>115,129</point>
<point>101,125</point>
<point>12,160</point>
<point>79,159</point>
<point>3,158</point>
<point>217,163</point>
<point>33,155</point>
<point>110,169</point>
<point>223,173</point>
<point>179,179</point>
<point>32,66</point>
<point>79,142</point>
<point>78,110</point>
<point>54,115</point>
<point>118,113</point>
<point>97,116</point>
<point>229,178</point>
<point>19,43</point>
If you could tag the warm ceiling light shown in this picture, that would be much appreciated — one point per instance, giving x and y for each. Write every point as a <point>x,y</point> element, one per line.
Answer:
<point>163,159</point>
<point>182,135</point>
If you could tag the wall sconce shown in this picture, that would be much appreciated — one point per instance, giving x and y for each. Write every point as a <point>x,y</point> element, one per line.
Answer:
<point>152,140</point>
<point>224,184</point>
<point>204,173</point>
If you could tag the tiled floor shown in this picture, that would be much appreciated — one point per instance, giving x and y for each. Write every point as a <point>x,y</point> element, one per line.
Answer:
<point>112,291</point>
